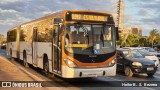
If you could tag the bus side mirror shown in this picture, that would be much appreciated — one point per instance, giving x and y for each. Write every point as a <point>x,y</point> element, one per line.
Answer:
<point>117,33</point>
<point>57,21</point>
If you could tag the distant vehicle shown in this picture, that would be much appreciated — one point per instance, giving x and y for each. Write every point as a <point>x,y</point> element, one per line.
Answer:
<point>153,51</point>
<point>132,62</point>
<point>157,48</point>
<point>149,56</point>
<point>3,46</point>
<point>146,54</point>
<point>149,49</point>
<point>158,55</point>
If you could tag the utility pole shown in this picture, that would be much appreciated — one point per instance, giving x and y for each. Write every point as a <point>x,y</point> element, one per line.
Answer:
<point>120,15</point>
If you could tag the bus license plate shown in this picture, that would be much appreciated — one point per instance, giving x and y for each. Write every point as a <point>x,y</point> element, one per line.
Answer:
<point>92,75</point>
<point>150,68</point>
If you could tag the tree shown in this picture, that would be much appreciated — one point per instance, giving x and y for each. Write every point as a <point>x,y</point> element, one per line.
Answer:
<point>129,40</point>
<point>153,35</point>
<point>132,40</point>
<point>123,40</point>
<point>157,40</point>
<point>143,41</point>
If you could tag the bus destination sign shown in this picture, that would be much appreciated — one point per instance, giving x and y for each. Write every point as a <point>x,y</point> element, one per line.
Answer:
<point>88,17</point>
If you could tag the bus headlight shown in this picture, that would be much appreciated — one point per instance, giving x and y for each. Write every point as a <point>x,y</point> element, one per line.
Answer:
<point>136,64</point>
<point>70,63</point>
<point>112,63</point>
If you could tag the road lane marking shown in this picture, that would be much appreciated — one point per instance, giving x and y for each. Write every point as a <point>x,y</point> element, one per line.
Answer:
<point>149,88</point>
<point>114,79</point>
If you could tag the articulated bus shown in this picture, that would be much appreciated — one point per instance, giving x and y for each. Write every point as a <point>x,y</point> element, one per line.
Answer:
<point>70,43</point>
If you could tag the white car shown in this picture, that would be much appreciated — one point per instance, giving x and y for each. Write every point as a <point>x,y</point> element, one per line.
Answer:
<point>151,50</point>
<point>158,55</point>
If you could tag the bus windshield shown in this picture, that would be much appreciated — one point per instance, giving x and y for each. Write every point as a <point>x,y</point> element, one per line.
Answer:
<point>89,39</point>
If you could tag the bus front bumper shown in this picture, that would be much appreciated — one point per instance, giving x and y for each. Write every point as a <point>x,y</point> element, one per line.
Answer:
<point>68,72</point>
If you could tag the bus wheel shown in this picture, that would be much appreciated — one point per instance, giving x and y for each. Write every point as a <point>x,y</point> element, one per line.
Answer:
<point>46,66</point>
<point>25,60</point>
<point>128,72</point>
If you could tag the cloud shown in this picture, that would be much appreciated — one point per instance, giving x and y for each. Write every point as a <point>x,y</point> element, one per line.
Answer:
<point>12,22</point>
<point>14,12</point>
<point>152,14</point>
<point>143,13</point>
<point>20,11</point>
<point>8,1</point>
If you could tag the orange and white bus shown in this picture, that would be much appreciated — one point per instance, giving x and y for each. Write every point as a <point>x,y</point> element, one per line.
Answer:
<point>70,44</point>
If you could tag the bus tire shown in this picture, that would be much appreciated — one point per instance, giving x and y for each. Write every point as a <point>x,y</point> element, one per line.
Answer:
<point>25,59</point>
<point>46,65</point>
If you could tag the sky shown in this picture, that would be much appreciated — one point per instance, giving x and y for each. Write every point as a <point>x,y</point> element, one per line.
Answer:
<point>137,13</point>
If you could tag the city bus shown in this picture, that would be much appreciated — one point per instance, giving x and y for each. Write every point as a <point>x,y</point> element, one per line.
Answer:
<point>70,43</point>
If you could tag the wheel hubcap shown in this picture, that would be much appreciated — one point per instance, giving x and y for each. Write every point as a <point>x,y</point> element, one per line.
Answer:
<point>127,71</point>
<point>46,67</point>
<point>24,61</point>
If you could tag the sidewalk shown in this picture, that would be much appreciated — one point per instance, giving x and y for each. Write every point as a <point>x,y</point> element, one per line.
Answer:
<point>10,72</point>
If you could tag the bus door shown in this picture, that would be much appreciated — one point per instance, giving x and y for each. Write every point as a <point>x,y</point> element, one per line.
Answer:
<point>34,45</point>
<point>56,50</point>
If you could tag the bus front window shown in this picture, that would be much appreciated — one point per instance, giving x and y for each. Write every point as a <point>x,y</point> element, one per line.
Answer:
<point>90,39</point>
<point>104,41</point>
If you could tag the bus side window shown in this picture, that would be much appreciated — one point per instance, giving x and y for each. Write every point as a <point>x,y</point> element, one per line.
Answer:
<point>35,34</point>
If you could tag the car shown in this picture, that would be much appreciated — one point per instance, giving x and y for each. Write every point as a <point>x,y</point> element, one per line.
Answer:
<point>146,54</point>
<point>149,56</point>
<point>3,45</point>
<point>157,47</point>
<point>151,50</point>
<point>158,55</point>
<point>132,62</point>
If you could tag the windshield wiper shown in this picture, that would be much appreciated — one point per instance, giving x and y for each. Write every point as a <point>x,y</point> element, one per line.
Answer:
<point>102,38</point>
<point>85,30</point>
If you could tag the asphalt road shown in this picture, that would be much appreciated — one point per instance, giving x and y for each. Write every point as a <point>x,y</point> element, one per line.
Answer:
<point>98,83</point>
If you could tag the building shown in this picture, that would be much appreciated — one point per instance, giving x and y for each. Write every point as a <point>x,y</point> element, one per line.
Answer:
<point>137,31</point>
<point>123,31</point>
<point>127,31</point>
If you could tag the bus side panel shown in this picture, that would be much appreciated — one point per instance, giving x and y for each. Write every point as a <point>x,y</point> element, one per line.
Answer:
<point>44,48</point>
<point>13,49</point>
<point>22,47</point>
<point>9,48</point>
<point>13,42</point>
<point>26,46</point>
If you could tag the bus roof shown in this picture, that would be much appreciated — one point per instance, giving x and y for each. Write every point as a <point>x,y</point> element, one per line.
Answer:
<point>61,14</point>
